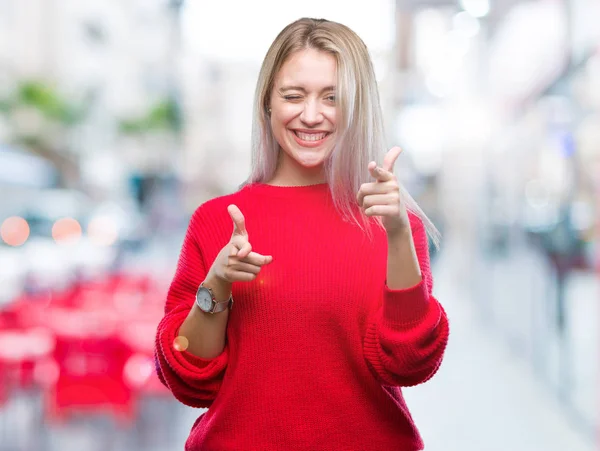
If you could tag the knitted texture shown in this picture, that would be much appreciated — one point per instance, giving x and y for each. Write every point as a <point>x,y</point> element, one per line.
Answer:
<point>318,347</point>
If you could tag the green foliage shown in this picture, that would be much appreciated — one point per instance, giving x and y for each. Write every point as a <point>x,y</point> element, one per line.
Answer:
<point>45,99</point>
<point>163,116</point>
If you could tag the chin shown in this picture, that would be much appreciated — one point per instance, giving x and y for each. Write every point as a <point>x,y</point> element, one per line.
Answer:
<point>310,163</point>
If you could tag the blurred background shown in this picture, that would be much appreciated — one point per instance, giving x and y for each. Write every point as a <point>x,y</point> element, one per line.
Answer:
<point>119,117</point>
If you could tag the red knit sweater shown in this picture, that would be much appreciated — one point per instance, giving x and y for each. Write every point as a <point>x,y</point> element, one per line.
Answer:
<point>317,345</point>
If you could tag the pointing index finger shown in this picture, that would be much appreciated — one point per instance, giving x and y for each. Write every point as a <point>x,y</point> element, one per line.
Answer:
<point>239,223</point>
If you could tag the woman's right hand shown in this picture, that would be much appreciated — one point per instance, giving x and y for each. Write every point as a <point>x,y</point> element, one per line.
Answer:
<point>205,334</point>
<point>236,262</point>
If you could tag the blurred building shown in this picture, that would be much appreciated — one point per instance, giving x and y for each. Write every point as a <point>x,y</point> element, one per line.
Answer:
<point>117,62</point>
<point>217,103</point>
<point>498,104</point>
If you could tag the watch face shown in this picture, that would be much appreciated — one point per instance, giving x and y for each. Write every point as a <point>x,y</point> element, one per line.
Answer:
<point>204,299</point>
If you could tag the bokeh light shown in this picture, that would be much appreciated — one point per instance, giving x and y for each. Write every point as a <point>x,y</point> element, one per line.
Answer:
<point>14,231</point>
<point>476,8</point>
<point>180,343</point>
<point>66,230</point>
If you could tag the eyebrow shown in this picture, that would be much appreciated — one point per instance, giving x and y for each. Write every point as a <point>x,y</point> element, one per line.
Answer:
<point>300,88</point>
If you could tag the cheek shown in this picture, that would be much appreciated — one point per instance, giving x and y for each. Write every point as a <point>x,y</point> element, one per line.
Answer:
<point>331,116</point>
<point>287,113</point>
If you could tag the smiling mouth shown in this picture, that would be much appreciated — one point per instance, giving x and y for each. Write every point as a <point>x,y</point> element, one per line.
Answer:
<point>311,137</point>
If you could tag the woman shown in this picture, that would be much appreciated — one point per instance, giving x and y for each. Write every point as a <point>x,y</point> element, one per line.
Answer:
<point>299,329</point>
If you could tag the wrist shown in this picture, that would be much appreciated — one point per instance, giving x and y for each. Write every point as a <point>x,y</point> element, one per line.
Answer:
<point>220,288</point>
<point>402,234</point>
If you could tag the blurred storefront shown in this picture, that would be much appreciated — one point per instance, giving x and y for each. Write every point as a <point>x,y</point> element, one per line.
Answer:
<point>497,104</point>
<point>551,102</point>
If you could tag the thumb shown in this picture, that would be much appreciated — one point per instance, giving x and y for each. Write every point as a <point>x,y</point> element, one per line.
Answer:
<point>239,223</point>
<point>390,158</point>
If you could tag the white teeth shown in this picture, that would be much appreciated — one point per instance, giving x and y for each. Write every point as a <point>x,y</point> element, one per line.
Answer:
<point>310,136</point>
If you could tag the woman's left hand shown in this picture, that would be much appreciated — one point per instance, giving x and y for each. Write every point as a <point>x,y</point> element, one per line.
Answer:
<point>382,197</point>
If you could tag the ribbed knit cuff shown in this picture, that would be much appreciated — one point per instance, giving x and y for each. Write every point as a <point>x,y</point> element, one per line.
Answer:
<point>199,361</point>
<point>406,306</point>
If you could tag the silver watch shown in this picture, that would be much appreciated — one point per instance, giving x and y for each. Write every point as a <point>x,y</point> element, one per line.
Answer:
<point>205,300</point>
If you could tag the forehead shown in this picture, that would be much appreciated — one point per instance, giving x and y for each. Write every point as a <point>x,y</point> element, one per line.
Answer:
<point>308,68</point>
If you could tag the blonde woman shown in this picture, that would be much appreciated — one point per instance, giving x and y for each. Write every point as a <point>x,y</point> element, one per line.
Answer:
<point>302,303</point>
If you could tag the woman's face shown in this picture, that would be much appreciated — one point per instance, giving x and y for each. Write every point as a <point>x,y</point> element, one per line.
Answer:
<point>303,110</point>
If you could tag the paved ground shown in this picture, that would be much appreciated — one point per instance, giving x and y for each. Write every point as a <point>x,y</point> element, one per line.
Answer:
<point>484,398</point>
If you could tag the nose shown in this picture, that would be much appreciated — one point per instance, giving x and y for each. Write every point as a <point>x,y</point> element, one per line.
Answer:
<point>311,114</point>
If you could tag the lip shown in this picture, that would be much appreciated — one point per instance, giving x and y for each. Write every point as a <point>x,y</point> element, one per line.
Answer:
<point>309,130</point>
<point>310,144</point>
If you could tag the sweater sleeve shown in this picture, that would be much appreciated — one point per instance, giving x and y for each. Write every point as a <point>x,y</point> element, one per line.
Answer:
<point>193,380</point>
<point>407,335</point>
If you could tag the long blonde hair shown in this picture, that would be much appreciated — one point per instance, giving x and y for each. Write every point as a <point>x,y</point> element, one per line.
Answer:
<point>359,122</point>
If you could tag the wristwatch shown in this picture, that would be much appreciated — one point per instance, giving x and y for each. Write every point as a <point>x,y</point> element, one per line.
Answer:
<point>205,300</point>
